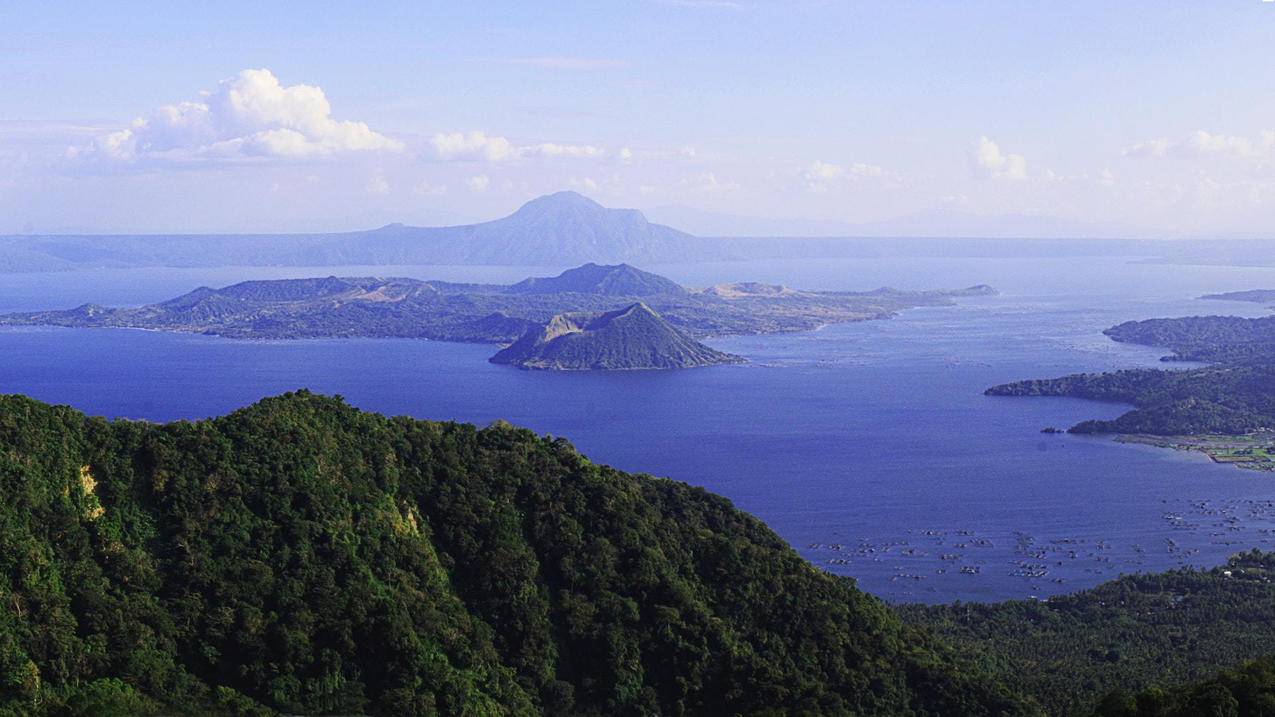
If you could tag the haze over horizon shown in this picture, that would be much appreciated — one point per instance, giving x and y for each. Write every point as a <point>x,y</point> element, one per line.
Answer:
<point>1144,119</point>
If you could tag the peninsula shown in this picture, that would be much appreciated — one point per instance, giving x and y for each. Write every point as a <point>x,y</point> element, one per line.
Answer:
<point>1225,409</point>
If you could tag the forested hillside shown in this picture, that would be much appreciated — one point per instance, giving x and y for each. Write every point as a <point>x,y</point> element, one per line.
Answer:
<point>1124,636</point>
<point>1235,396</point>
<point>304,557</point>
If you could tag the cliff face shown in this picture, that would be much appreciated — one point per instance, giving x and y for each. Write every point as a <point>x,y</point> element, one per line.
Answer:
<point>634,337</point>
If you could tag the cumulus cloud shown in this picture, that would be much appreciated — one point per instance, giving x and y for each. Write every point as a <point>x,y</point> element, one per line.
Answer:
<point>473,145</point>
<point>248,115</point>
<point>481,146</point>
<point>1202,144</point>
<point>821,176</point>
<point>478,183</point>
<point>989,162</point>
<point>550,149</point>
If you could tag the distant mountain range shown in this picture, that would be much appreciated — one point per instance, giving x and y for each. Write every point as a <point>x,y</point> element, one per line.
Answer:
<point>555,230</point>
<point>567,229</point>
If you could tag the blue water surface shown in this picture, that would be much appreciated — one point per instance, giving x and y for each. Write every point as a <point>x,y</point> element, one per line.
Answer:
<point>868,446</point>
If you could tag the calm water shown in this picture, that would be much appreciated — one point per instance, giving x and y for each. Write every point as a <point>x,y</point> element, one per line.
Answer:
<point>868,446</point>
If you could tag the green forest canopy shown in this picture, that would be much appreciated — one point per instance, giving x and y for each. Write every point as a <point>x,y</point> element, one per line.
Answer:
<point>302,556</point>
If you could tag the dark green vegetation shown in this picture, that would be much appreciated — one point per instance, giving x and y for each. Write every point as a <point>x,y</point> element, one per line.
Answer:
<point>1224,399</point>
<point>1234,396</point>
<point>1127,635</point>
<point>1248,690</point>
<point>1203,338</point>
<point>485,313</point>
<point>630,338</point>
<point>302,556</point>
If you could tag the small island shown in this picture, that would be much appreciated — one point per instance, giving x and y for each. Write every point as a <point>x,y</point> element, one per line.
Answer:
<point>634,337</point>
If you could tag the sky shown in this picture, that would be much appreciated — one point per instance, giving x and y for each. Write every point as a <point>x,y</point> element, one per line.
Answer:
<point>1153,118</point>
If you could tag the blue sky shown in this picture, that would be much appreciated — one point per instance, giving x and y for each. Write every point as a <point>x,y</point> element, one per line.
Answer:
<point>1154,116</point>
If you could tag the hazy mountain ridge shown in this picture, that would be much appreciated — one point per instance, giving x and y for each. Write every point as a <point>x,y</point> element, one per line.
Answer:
<point>567,228</point>
<point>553,230</point>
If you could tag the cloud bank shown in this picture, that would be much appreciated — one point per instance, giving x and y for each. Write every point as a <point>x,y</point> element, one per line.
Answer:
<point>1204,144</point>
<point>821,176</point>
<point>480,146</point>
<point>248,115</point>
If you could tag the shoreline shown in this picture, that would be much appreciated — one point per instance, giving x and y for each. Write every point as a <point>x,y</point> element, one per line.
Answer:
<point>1252,451</point>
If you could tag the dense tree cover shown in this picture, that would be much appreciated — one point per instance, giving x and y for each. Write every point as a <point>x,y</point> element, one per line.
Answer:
<point>1235,396</point>
<point>1246,691</point>
<point>1203,338</point>
<point>1126,635</point>
<point>302,556</point>
<point>1230,398</point>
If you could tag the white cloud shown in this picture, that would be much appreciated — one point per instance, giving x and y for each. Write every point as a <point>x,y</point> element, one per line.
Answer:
<point>989,162</point>
<point>550,149</point>
<point>248,115</point>
<point>478,183</point>
<point>625,154</point>
<point>1203,144</point>
<point>821,175</point>
<point>481,146</point>
<point>473,145</point>
<point>378,185</point>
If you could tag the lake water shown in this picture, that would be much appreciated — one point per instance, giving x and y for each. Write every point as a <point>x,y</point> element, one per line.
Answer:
<point>868,446</point>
